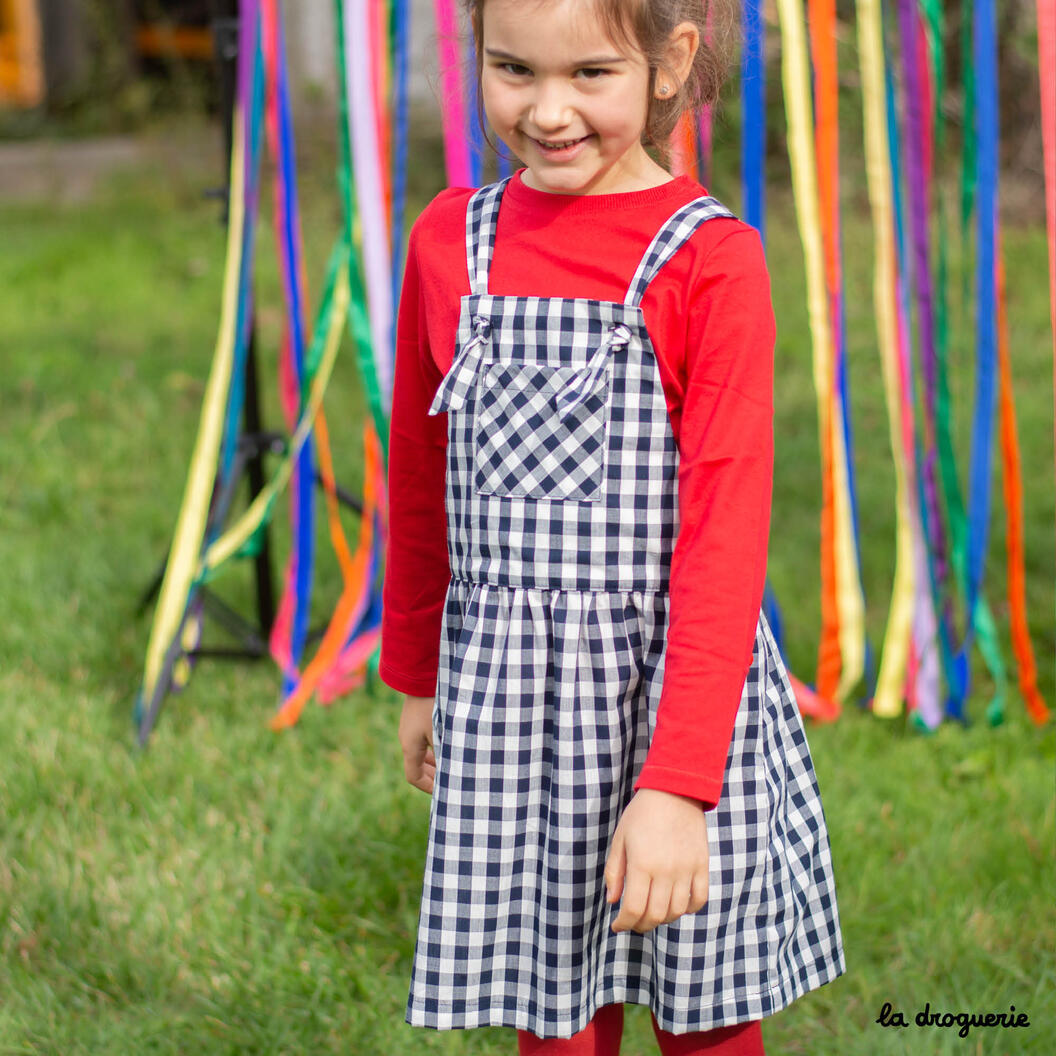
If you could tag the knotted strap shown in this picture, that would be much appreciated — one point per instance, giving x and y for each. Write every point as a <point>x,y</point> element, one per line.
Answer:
<point>584,382</point>
<point>451,396</point>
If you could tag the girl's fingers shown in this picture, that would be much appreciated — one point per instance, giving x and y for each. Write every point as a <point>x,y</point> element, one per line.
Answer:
<point>421,772</point>
<point>615,868</point>
<point>680,899</point>
<point>699,891</point>
<point>428,772</point>
<point>635,900</point>
<point>656,909</point>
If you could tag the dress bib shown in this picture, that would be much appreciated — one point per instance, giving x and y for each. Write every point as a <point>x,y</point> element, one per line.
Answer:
<point>561,497</point>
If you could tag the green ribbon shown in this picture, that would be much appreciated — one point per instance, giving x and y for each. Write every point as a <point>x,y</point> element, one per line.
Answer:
<point>982,618</point>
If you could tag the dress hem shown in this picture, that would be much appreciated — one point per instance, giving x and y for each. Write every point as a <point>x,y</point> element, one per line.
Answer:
<point>760,1005</point>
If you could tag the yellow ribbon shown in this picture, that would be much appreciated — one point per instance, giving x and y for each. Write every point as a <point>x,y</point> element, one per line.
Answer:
<point>194,509</point>
<point>239,533</point>
<point>892,676</point>
<point>795,75</point>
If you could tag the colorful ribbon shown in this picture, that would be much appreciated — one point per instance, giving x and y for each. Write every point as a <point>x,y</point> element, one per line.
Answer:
<point>928,644</point>
<point>917,187</point>
<point>290,631</point>
<point>453,103</point>
<point>822,21</point>
<point>940,546</point>
<point>1047,70</point>
<point>888,698</point>
<point>985,54</point>
<point>753,116</point>
<point>683,148</point>
<point>318,367</point>
<point>842,653</point>
<point>401,26</point>
<point>369,182</point>
<point>179,581</point>
<point>1013,491</point>
<point>350,641</point>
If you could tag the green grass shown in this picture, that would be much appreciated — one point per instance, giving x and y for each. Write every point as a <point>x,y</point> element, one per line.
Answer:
<point>233,891</point>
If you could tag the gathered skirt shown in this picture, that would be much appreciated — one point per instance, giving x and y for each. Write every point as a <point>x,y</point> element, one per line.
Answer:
<point>545,707</point>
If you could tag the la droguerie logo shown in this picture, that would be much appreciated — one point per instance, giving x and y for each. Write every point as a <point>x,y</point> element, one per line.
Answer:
<point>964,1021</point>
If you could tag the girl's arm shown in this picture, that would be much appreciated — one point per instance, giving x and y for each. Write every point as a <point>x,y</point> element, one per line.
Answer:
<point>657,865</point>
<point>417,570</point>
<point>416,740</point>
<point>725,480</point>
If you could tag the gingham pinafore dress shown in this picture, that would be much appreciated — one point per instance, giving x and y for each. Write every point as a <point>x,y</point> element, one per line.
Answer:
<point>562,516</point>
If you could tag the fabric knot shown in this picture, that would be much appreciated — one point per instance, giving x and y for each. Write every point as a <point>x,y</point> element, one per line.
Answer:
<point>451,396</point>
<point>584,382</point>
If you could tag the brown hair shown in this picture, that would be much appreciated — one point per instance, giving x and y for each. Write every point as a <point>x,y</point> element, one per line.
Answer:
<point>647,25</point>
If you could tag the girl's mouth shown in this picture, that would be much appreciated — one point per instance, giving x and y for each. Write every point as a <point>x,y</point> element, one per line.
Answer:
<point>560,149</point>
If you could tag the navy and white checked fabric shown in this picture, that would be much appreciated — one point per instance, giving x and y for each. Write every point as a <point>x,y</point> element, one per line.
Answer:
<point>562,516</point>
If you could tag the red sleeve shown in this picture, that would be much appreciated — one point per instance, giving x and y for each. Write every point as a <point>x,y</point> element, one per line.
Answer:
<point>417,570</point>
<point>718,567</point>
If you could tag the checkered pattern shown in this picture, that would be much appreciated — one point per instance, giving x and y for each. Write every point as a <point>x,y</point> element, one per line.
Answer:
<point>525,449</point>
<point>551,667</point>
<point>455,388</point>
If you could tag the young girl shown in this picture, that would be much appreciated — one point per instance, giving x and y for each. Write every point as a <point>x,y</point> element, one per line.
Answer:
<point>624,807</point>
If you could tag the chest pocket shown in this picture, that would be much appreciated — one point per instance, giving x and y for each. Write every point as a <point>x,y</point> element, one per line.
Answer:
<point>542,432</point>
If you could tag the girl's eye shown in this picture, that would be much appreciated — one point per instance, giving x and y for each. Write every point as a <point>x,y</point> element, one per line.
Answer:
<point>515,69</point>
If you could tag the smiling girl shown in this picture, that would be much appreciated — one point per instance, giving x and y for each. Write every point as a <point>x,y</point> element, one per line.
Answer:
<point>624,807</point>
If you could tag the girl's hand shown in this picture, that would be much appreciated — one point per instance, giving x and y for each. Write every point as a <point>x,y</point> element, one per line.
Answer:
<point>658,860</point>
<point>416,738</point>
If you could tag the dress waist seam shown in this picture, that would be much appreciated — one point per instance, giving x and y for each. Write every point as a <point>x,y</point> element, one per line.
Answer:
<point>652,591</point>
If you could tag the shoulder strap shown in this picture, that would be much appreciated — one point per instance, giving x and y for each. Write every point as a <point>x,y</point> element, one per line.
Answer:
<point>676,231</point>
<point>482,214</point>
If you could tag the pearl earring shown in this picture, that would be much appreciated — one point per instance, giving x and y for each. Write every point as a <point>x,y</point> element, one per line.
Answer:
<point>664,89</point>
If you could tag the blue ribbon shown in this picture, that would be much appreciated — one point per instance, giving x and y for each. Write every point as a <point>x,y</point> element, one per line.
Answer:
<point>401,27</point>
<point>753,185</point>
<point>985,51</point>
<point>476,133</point>
<point>503,164</point>
<point>753,101</point>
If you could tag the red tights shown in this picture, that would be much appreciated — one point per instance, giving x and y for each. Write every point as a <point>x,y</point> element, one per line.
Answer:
<point>601,1037</point>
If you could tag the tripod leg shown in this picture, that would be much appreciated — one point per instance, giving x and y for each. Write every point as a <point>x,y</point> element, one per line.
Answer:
<point>152,590</point>
<point>255,473</point>
<point>345,497</point>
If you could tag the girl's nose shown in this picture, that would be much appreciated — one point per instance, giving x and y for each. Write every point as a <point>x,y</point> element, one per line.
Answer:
<point>550,107</point>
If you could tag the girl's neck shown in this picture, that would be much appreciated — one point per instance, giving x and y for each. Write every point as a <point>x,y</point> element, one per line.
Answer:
<point>652,175</point>
<point>521,192</point>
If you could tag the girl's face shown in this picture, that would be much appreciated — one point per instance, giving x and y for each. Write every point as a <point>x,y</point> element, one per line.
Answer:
<point>563,97</point>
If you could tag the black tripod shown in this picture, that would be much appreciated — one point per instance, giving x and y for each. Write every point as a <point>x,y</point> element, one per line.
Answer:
<point>254,442</point>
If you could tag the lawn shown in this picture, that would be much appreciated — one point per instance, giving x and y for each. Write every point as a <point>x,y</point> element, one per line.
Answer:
<point>234,891</point>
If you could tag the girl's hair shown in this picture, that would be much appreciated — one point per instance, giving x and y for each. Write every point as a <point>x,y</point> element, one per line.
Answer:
<point>647,26</point>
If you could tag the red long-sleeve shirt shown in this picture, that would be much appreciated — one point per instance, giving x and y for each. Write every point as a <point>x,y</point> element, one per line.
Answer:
<point>709,315</point>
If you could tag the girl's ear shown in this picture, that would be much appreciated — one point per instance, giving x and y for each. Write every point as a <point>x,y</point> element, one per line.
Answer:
<point>678,60</point>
